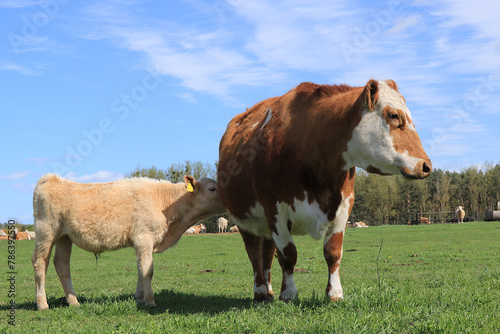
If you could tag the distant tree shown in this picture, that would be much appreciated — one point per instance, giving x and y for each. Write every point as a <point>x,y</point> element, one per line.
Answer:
<point>492,186</point>
<point>176,171</point>
<point>376,198</point>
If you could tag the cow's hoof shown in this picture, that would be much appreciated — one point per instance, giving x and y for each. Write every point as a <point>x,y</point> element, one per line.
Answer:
<point>287,299</point>
<point>263,297</point>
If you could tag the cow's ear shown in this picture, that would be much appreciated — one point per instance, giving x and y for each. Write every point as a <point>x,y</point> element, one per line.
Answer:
<point>371,94</point>
<point>190,182</point>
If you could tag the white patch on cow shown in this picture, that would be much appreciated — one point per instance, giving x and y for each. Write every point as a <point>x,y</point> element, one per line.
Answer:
<point>371,143</point>
<point>268,117</point>
<point>336,287</point>
<point>283,237</point>
<point>261,289</point>
<point>267,274</point>
<point>290,291</point>
<point>341,216</point>
<point>308,218</point>
<point>253,126</point>
<point>255,222</point>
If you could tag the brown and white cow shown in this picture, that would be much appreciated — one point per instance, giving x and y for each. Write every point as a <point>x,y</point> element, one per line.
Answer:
<point>146,214</point>
<point>287,167</point>
<point>424,220</point>
<point>460,214</point>
<point>197,229</point>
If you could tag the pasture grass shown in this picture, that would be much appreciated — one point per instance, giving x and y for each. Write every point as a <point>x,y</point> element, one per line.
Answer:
<point>434,279</point>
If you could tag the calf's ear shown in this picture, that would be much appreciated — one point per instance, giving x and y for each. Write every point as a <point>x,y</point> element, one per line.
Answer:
<point>190,182</point>
<point>371,94</point>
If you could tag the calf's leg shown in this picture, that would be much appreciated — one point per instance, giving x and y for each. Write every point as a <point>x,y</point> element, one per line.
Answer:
<point>40,261</point>
<point>144,251</point>
<point>62,265</point>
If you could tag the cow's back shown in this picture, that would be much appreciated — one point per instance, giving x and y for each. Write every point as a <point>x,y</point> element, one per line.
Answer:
<point>281,149</point>
<point>97,216</point>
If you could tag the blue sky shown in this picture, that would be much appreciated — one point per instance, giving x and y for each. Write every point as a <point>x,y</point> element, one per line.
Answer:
<point>92,89</point>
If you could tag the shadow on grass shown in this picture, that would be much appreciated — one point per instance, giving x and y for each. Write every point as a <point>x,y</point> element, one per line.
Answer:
<point>189,303</point>
<point>167,301</point>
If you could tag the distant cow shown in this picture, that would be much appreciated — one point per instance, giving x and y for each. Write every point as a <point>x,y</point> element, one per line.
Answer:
<point>146,214</point>
<point>460,215</point>
<point>197,229</point>
<point>359,224</point>
<point>287,167</point>
<point>31,233</point>
<point>222,223</point>
<point>234,229</point>
<point>23,236</point>
<point>424,220</point>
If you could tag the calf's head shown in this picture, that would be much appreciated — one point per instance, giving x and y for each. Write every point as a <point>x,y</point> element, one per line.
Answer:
<point>385,141</point>
<point>204,196</point>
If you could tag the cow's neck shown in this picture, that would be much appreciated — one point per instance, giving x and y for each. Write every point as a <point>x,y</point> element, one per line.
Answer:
<point>320,137</point>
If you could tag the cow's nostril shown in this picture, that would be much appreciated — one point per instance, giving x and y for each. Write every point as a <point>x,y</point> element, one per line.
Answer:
<point>426,168</point>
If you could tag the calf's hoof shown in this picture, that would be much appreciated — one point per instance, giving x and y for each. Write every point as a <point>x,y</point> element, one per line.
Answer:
<point>42,307</point>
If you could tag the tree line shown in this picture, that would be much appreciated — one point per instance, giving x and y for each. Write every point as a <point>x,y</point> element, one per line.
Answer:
<point>392,199</point>
<point>378,199</point>
<point>385,199</point>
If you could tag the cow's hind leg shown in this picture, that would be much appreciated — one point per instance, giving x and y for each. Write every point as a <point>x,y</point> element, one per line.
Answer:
<point>287,257</point>
<point>268,250</point>
<point>62,265</point>
<point>40,261</point>
<point>144,292</point>
<point>253,246</point>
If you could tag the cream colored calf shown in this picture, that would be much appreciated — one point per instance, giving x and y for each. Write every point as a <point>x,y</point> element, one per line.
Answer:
<point>222,224</point>
<point>146,214</point>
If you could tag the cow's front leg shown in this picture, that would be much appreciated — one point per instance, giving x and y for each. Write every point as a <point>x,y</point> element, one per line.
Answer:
<point>253,246</point>
<point>333,255</point>
<point>333,247</point>
<point>144,292</point>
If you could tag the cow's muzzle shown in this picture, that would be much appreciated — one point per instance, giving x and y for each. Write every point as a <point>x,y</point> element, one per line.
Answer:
<point>422,169</point>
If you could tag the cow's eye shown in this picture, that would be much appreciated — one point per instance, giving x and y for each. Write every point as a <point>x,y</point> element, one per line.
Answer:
<point>212,189</point>
<point>394,117</point>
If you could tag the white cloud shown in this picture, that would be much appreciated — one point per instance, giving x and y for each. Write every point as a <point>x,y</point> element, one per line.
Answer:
<point>18,3</point>
<point>21,69</point>
<point>100,176</point>
<point>15,175</point>
<point>402,24</point>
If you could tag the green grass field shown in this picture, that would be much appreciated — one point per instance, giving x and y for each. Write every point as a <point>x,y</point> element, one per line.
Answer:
<point>434,279</point>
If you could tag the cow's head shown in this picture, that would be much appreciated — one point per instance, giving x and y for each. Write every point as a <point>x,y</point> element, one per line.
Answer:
<point>385,141</point>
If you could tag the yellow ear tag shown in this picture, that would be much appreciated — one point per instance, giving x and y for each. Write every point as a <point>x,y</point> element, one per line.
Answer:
<point>190,187</point>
